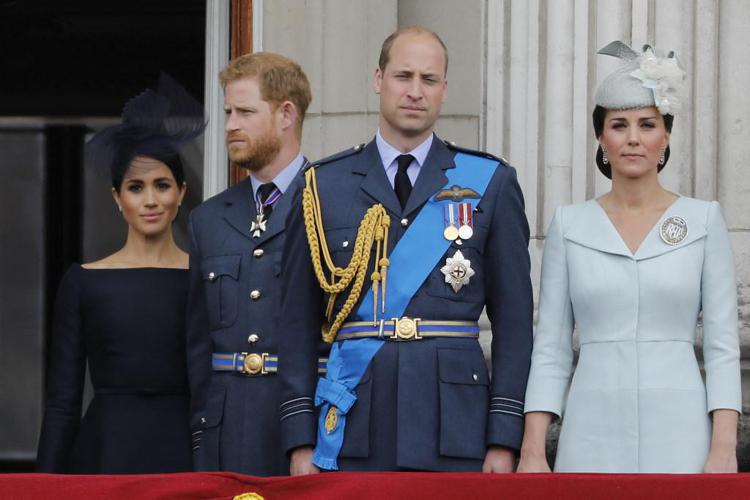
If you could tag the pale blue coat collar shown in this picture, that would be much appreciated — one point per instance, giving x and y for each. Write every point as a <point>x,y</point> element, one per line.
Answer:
<point>587,224</point>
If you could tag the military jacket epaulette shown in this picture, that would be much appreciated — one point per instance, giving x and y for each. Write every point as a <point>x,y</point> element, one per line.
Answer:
<point>337,156</point>
<point>452,145</point>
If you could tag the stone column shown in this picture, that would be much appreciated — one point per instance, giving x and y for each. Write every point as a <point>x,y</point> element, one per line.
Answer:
<point>541,73</point>
<point>337,42</point>
<point>215,175</point>
<point>733,151</point>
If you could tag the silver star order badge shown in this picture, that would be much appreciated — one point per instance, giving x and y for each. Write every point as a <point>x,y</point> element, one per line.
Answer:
<point>457,271</point>
<point>258,226</point>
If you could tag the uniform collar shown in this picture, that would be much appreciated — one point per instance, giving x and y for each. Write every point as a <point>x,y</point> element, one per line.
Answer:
<point>284,178</point>
<point>388,153</point>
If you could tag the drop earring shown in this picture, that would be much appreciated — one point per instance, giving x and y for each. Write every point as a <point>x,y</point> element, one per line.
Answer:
<point>661,157</point>
<point>605,156</point>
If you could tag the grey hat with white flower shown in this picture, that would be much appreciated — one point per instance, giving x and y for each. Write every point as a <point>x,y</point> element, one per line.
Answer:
<point>644,80</point>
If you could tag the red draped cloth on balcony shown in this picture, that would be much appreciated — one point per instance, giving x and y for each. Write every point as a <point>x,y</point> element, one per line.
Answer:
<point>358,486</point>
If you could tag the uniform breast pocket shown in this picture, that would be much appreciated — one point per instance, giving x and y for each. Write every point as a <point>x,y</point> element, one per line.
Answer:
<point>221,280</point>
<point>464,396</point>
<point>340,244</point>
<point>465,273</point>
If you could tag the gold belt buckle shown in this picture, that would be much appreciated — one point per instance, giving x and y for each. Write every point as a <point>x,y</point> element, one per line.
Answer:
<point>406,328</point>
<point>254,363</point>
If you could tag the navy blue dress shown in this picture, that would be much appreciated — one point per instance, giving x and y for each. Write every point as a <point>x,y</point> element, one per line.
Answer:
<point>129,324</point>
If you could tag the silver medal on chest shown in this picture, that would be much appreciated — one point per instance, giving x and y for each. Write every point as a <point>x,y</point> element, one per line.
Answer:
<point>457,271</point>
<point>673,230</point>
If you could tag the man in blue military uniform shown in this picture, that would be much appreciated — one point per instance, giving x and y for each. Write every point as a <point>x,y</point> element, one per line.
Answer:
<point>410,237</point>
<point>235,262</point>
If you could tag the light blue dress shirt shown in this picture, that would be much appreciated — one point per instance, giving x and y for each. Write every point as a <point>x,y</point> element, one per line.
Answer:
<point>388,155</point>
<point>283,179</point>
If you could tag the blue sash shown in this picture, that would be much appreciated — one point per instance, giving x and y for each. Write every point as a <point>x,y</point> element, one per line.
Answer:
<point>349,359</point>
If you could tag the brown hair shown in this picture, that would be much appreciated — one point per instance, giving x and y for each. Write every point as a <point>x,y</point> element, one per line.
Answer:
<point>385,50</point>
<point>279,78</point>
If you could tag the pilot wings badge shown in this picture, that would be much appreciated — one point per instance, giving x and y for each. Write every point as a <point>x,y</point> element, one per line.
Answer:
<point>456,194</point>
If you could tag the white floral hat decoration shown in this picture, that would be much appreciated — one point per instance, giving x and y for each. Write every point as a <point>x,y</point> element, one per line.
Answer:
<point>644,80</point>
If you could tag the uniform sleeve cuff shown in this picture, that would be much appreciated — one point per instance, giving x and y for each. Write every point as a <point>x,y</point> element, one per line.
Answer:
<point>505,429</point>
<point>298,424</point>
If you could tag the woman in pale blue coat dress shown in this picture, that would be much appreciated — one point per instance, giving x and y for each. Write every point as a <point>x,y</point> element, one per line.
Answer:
<point>632,272</point>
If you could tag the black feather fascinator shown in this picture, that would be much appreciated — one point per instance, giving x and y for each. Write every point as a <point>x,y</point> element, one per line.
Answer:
<point>155,124</point>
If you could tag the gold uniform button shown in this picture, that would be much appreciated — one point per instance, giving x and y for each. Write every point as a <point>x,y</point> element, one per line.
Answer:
<point>253,338</point>
<point>211,276</point>
<point>258,252</point>
<point>255,294</point>
<point>404,222</point>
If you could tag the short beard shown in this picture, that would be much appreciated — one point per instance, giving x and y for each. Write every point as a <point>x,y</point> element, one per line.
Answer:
<point>259,152</point>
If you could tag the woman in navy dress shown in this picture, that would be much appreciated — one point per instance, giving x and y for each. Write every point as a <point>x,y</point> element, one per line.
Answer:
<point>124,314</point>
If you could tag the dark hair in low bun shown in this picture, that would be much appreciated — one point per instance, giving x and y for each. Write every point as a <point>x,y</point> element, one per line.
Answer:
<point>172,161</point>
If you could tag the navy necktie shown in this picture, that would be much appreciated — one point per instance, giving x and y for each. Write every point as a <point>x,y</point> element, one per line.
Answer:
<point>267,195</point>
<point>402,184</point>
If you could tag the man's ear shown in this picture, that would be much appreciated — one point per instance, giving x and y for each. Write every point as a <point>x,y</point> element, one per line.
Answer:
<point>288,114</point>
<point>377,80</point>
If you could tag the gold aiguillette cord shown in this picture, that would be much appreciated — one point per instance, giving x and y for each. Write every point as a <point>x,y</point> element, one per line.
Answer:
<point>373,229</point>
